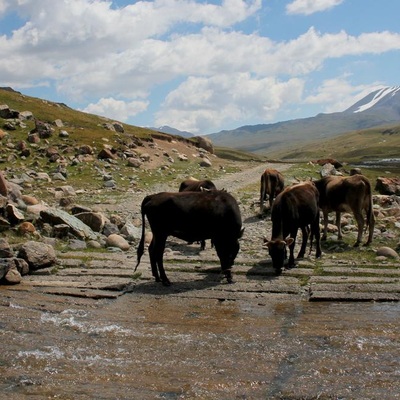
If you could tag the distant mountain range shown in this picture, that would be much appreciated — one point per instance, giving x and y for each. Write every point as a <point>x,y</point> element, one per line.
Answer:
<point>172,131</point>
<point>379,108</point>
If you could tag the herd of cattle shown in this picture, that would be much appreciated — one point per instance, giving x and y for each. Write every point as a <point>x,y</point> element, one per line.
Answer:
<point>200,211</point>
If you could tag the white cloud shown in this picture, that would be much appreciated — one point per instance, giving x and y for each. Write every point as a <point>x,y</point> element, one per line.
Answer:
<point>308,7</point>
<point>116,109</point>
<point>338,94</point>
<point>201,104</point>
<point>87,49</point>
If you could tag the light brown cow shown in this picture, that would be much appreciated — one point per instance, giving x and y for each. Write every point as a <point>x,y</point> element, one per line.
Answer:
<point>272,183</point>
<point>351,193</point>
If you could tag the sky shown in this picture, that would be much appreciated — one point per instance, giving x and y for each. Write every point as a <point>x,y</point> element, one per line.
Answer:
<point>200,66</point>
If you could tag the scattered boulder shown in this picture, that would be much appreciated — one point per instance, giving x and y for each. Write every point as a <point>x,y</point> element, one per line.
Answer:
<point>54,216</point>
<point>94,220</point>
<point>106,154</point>
<point>26,228</point>
<point>8,272</point>
<point>5,249</point>
<point>37,254</point>
<point>204,143</point>
<point>387,252</point>
<point>3,185</point>
<point>205,162</point>
<point>115,240</point>
<point>329,169</point>
<point>388,186</point>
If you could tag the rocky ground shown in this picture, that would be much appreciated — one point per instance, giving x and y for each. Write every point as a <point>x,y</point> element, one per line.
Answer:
<point>341,274</point>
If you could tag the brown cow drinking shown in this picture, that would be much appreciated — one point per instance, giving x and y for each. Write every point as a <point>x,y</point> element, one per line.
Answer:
<point>272,183</point>
<point>191,216</point>
<point>296,207</point>
<point>351,193</point>
<point>195,185</point>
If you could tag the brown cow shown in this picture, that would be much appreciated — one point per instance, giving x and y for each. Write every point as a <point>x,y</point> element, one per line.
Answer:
<point>191,216</point>
<point>351,193</point>
<point>272,183</point>
<point>296,207</point>
<point>194,185</point>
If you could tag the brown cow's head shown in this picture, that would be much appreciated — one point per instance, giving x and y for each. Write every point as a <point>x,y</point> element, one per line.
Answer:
<point>277,251</point>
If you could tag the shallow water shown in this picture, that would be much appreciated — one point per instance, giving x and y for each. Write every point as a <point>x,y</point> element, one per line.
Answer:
<point>165,347</point>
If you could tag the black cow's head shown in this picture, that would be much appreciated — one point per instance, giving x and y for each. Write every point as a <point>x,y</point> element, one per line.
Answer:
<point>277,251</point>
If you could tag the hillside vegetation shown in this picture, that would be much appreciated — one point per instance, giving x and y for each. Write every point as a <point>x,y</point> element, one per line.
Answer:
<point>353,147</point>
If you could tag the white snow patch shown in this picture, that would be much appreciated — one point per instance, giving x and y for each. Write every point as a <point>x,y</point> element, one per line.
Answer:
<point>379,96</point>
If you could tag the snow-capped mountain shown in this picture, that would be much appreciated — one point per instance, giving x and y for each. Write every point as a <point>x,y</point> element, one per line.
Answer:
<point>378,108</point>
<point>386,97</point>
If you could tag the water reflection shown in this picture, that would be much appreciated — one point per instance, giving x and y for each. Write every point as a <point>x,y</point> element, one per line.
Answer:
<point>151,347</point>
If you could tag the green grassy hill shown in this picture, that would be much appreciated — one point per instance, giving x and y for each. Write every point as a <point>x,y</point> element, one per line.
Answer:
<point>353,147</point>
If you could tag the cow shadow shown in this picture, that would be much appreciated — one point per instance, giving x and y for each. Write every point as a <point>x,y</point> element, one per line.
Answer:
<point>210,278</point>
<point>262,271</point>
<point>253,219</point>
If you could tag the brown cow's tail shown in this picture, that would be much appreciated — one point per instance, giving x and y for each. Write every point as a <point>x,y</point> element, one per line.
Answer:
<point>140,249</point>
<point>262,188</point>
<point>370,214</point>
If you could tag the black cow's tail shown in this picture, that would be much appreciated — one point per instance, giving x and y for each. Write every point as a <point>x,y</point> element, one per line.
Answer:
<point>140,249</point>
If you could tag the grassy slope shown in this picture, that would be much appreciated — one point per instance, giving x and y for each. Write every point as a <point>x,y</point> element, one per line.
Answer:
<point>352,147</point>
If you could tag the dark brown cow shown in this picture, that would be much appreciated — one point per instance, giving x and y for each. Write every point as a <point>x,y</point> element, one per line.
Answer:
<point>272,183</point>
<point>191,216</point>
<point>296,207</point>
<point>195,185</point>
<point>351,193</point>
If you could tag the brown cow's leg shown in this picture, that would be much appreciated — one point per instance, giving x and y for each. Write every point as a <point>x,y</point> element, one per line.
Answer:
<point>339,226</point>
<point>291,263</point>
<point>305,234</point>
<point>316,232</point>
<point>325,233</point>
<point>360,224</point>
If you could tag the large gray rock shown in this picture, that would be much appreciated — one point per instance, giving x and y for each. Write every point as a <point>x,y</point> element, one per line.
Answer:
<point>131,232</point>
<point>94,220</point>
<point>54,216</point>
<point>37,254</point>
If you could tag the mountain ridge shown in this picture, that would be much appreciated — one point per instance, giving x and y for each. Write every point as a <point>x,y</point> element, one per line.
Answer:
<point>378,108</point>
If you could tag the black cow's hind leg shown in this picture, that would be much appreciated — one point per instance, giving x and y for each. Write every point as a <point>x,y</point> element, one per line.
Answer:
<point>159,254</point>
<point>153,260</point>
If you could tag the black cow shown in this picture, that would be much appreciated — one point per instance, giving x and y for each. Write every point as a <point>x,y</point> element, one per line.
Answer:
<point>296,207</point>
<point>351,193</point>
<point>195,185</point>
<point>272,183</point>
<point>191,216</point>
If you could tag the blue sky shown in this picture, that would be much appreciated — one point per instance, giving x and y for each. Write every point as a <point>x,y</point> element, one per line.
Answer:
<point>200,66</point>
